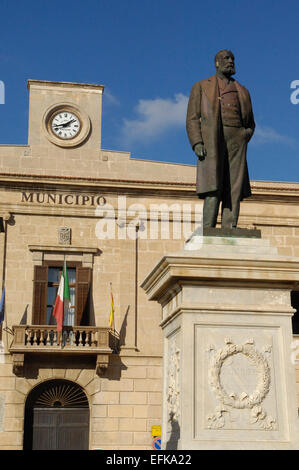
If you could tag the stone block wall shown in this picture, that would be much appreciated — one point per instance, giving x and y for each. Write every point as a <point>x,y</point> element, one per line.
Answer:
<point>124,405</point>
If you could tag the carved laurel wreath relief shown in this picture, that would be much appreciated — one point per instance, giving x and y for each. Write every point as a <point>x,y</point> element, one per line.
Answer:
<point>251,402</point>
<point>173,393</point>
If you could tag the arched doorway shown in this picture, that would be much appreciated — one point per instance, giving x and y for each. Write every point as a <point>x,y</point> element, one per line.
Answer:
<point>56,417</point>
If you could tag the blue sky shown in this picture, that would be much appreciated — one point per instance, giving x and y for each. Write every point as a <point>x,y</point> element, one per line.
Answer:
<point>148,54</point>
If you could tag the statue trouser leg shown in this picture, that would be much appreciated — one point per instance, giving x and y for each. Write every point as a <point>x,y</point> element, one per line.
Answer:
<point>234,169</point>
<point>230,216</point>
<point>210,209</point>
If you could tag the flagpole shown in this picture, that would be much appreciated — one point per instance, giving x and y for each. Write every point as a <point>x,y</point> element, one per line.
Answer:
<point>58,312</point>
<point>4,275</point>
<point>64,274</point>
<point>61,332</point>
<point>4,255</point>
<point>137,228</point>
<point>66,297</point>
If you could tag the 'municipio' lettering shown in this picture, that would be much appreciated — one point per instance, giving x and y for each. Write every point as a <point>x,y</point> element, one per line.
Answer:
<point>67,199</point>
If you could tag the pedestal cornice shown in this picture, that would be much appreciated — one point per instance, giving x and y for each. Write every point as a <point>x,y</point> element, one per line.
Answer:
<point>230,267</point>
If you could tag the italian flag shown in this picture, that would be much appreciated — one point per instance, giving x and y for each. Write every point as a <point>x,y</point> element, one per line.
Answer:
<point>63,298</point>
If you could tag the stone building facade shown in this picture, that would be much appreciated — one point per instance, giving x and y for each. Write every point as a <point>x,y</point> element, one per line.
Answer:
<point>110,218</point>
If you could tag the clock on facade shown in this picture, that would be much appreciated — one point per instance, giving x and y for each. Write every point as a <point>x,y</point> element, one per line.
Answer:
<point>66,125</point>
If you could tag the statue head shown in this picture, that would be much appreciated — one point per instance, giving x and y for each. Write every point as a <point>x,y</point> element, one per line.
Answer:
<point>225,63</point>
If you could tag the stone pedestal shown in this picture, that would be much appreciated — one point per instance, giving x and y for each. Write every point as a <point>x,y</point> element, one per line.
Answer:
<point>229,382</point>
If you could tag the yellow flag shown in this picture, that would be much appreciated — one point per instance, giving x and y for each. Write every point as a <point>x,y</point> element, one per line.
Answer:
<point>111,318</point>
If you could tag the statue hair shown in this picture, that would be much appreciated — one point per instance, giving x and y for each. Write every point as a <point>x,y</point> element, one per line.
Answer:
<point>220,52</point>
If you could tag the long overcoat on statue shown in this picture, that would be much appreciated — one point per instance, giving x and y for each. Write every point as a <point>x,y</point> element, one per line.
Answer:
<point>204,125</point>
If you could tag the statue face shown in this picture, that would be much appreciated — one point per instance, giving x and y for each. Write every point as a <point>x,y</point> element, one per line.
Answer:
<point>225,63</point>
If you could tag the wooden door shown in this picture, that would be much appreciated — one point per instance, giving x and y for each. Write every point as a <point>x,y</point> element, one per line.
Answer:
<point>60,428</point>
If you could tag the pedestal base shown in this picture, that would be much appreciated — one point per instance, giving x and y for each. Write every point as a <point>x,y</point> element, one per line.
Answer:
<point>229,382</point>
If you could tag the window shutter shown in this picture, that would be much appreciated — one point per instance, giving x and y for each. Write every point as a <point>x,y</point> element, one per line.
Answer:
<point>82,295</point>
<point>40,290</point>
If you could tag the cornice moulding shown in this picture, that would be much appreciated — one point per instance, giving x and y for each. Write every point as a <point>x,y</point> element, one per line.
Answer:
<point>62,248</point>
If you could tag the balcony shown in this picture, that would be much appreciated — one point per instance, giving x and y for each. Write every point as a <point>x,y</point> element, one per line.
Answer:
<point>76,340</point>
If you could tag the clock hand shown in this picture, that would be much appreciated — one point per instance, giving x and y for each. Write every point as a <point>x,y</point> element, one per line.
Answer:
<point>57,125</point>
<point>66,124</point>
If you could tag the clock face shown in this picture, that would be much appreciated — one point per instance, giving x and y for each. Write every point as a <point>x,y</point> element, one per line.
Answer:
<point>65,125</point>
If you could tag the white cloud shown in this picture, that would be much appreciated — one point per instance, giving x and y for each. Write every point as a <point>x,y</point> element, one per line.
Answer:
<point>268,135</point>
<point>110,99</point>
<point>155,117</point>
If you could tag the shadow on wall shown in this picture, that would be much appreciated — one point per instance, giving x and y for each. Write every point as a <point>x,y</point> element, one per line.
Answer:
<point>119,339</point>
<point>123,329</point>
<point>116,366</point>
<point>172,443</point>
<point>24,317</point>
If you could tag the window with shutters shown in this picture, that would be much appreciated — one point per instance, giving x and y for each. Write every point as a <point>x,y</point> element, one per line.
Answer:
<point>46,283</point>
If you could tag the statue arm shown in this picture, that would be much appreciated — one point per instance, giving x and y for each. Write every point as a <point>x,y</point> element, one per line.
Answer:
<point>250,127</point>
<point>251,123</point>
<point>193,120</point>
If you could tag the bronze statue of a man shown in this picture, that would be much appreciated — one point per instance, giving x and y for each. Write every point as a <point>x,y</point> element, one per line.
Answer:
<point>220,124</point>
